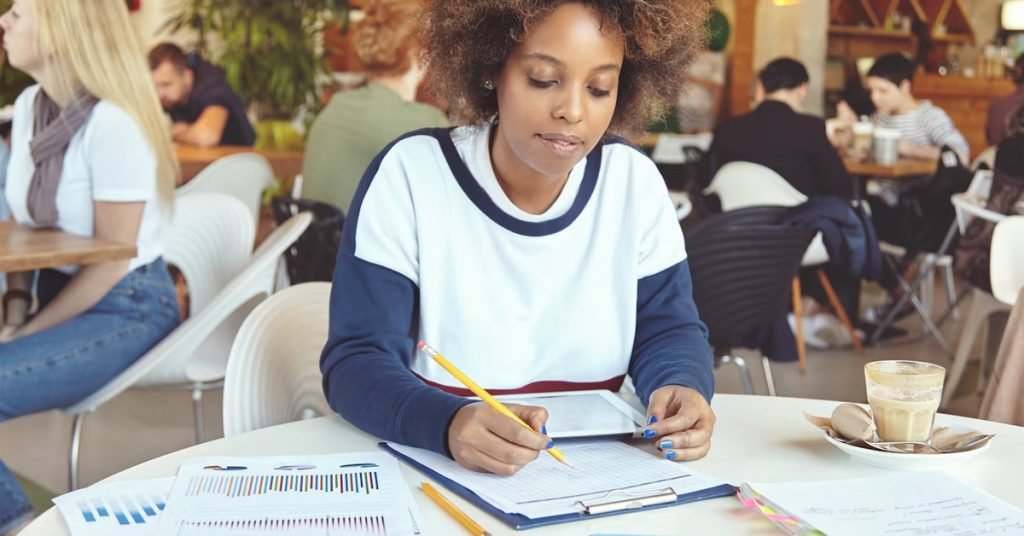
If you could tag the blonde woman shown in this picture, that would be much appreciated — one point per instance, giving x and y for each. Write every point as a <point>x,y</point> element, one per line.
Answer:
<point>357,124</point>
<point>90,155</point>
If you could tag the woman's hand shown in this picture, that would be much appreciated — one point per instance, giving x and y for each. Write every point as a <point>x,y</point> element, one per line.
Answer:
<point>484,440</point>
<point>845,113</point>
<point>681,423</point>
<point>8,334</point>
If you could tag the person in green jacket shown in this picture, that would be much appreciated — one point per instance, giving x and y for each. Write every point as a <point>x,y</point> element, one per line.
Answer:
<point>357,124</point>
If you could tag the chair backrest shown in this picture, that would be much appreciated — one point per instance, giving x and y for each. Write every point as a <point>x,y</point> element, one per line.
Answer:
<point>196,351</point>
<point>1006,264</point>
<point>242,175</point>
<point>681,202</point>
<point>987,157</point>
<point>742,264</point>
<point>746,184</point>
<point>971,204</point>
<point>312,256</point>
<point>209,239</point>
<point>273,374</point>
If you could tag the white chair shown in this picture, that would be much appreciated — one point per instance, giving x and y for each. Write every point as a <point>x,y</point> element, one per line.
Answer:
<point>273,373</point>
<point>988,157</point>
<point>242,175</point>
<point>194,355</point>
<point>746,184</point>
<point>681,202</point>
<point>1006,262</point>
<point>970,205</point>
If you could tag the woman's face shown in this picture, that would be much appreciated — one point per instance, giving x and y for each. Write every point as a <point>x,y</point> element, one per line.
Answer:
<point>557,93</point>
<point>886,96</point>
<point>21,32</point>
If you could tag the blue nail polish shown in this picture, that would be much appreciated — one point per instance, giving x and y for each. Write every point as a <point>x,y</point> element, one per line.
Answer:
<point>551,444</point>
<point>544,429</point>
<point>648,433</point>
<point>666,444</point>
<point>651,420</point>
<point>670,455</point>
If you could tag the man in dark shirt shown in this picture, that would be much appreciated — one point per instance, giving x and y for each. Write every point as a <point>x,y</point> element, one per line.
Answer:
<point>204,109</point>
<point>1003,108</point>
<point>776,135</point>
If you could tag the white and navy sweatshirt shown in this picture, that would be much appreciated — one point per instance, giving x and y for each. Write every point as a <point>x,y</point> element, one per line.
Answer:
<point>575,298</point>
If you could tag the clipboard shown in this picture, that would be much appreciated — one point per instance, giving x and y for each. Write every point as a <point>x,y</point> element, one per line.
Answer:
<point>614,503</point>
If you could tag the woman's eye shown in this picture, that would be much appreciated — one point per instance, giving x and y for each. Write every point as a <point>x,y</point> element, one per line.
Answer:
<point>541,83</point>
<point>598,92</point>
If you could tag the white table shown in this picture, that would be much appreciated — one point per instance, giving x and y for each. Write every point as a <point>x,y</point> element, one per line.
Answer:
<point>758,439</point>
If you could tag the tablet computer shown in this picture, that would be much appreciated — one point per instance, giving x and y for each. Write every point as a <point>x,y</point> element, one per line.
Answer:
<point>583,413</point>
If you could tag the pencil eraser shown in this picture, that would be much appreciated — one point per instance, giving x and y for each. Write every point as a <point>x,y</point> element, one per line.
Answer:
<point>421,344</point>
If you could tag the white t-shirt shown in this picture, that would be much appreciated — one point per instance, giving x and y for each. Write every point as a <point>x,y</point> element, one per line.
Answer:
<point>108,159</point>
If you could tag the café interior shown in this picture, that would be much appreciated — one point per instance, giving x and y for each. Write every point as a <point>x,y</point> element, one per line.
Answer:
<point>875,138</point>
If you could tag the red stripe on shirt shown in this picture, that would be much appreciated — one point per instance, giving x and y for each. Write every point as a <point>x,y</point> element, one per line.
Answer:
<point>547,386</point>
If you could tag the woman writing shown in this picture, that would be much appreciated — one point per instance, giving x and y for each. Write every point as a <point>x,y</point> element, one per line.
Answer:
<point>530,247</point>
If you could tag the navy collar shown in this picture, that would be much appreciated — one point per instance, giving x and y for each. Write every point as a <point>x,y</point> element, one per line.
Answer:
<point>479,197</point>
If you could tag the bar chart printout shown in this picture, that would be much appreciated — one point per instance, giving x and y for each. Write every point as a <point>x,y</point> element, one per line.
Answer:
<point>128,508</point>
<point>359,494</point>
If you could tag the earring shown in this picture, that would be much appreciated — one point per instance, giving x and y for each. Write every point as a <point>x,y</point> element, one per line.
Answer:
<point>488,85</point>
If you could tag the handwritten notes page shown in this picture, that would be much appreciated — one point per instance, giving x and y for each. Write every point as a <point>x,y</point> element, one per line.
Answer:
<point>919,504</point>
<point>603,469</point>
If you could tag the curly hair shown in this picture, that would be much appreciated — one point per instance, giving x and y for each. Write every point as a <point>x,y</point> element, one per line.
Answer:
<point>387,34</point>
<point>467,43</point>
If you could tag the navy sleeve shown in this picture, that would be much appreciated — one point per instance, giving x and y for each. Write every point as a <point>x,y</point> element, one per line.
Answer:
<point>671,343</point>
<point>365,363</point>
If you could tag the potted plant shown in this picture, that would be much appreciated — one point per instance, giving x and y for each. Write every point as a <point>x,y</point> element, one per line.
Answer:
<point>270,51</point>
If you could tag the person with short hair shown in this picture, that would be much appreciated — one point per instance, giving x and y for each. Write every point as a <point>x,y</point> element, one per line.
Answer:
<point>778,136</point>
<point>924,128</point>
<point>1001,111</point>
<point>484,239</point>
<point>204,109</point>
<point>358,123</point>
<point>90,156</point>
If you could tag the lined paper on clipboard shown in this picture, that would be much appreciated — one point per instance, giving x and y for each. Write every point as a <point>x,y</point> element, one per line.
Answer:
<point>605,471</point>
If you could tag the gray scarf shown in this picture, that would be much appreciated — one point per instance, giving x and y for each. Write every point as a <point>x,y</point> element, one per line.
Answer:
<point>52,132</point>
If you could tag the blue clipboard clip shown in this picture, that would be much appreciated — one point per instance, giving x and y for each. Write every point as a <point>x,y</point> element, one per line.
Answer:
<point>632,501</point>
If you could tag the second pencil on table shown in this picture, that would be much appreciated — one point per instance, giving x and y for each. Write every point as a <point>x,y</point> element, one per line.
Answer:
<point>467,522</point>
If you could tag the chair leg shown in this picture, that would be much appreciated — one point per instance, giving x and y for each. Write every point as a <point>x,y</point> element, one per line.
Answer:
<point>951,295</point>
<point>927,287</point>
<point>977,313</point>
<point>801,349</point>
<point>768,378</point>
<point>197,413</point>
<point>840,311</point>
<point>741,367</point>
<point>76,443</point>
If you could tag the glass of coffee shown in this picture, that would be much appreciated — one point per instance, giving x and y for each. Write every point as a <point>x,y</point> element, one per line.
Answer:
<point>904,396</point>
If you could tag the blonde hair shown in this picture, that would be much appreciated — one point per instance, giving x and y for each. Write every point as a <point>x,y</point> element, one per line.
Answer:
<point>91,46</point>
<point>387,35</point>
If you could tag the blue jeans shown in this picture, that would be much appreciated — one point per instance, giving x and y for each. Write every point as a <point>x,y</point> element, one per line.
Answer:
<point>59,366</point>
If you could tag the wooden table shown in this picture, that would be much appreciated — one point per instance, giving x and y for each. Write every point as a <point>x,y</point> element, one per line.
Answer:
<point>194,159</point>
<point>757,439</point>
<point>903,168</point>
<point>24,248</point>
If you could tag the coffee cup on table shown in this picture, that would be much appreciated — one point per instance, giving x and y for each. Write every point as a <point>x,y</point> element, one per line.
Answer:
<point>861,139</point>
<point>904,397</point>
<point>886,146</point>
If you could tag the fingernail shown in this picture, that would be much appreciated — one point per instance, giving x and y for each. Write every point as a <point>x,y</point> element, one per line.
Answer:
<point>551,444</point>
<point>544,429</point>
<point>651,420</point>
<point>670,455</point>
<point>666,444</point>
<point>648,433</point>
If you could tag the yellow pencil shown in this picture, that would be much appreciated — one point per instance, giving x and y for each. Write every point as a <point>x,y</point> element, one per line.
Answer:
<point>484,395</point>
<point>472,526</point>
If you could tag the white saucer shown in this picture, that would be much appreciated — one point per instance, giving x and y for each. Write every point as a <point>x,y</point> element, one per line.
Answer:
<point>910,462</point>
